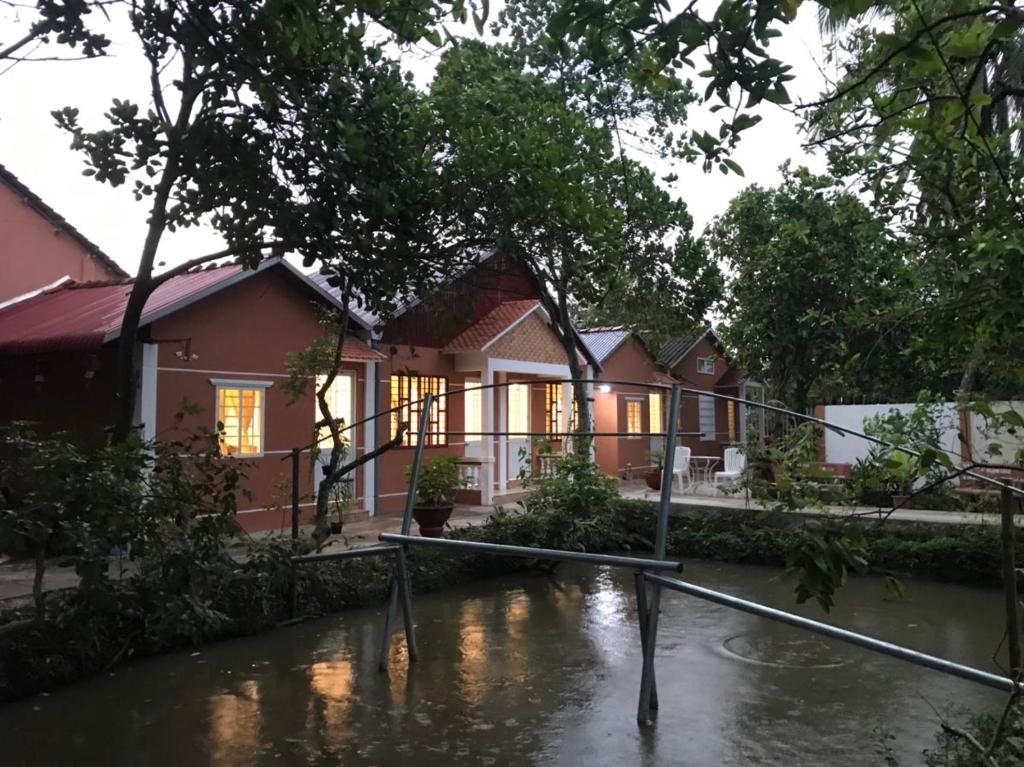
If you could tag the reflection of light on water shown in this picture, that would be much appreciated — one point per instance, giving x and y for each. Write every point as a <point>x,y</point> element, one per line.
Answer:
<point>517,613</point>
<point>472,651</point>
<point>235,724</point>
<point>607,609</point>
<point>331,683</point>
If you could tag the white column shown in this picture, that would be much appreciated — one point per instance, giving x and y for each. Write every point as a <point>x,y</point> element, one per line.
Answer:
<point>487,442</point>
<point>503,428</point>
<point>147,391</point>
<point>369,438</point>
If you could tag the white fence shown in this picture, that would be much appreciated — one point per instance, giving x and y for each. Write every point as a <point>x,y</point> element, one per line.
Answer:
<point>841,448</point>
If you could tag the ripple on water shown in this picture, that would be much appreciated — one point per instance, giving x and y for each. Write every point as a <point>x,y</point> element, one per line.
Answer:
<point>782,652</point>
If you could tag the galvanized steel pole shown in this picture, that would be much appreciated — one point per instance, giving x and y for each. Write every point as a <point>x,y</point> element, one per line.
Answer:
<point>649,639</point>
<point>834,632</point>
<point>410,502</point>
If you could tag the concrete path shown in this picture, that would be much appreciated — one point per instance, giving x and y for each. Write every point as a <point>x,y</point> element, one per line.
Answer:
<point>16,576</point>
<point>707,497</point>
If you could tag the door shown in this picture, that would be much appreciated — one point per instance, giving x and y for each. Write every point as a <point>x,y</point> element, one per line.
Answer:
<point>519,458</point>
<point>473,403</point>
<point>341,401</point>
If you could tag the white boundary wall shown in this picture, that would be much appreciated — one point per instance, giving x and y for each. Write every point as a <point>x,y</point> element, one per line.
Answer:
<point>982,436</point>
<point>840,448</point>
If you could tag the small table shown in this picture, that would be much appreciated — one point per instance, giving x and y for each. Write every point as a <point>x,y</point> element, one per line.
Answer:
<point>701,467</point>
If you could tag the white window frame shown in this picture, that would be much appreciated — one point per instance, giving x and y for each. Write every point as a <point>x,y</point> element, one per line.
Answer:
<point>640,402</point>
<point>705,434</point>
<point>240,384</point>
<point>700,363</point>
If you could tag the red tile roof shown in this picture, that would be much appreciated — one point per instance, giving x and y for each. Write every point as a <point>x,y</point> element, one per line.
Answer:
<point>44,210</point>
<point>357,351</point>
<point>731,378</point>
<point>486,330</point>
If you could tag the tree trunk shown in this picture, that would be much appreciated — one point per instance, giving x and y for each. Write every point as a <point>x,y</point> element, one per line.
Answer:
<point>1009,572</point>
<point>579,388</point>
<point>38,595</point>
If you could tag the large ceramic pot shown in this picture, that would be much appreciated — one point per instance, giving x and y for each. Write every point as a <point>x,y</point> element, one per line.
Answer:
<point>653,479</point>
<point>431,519</point>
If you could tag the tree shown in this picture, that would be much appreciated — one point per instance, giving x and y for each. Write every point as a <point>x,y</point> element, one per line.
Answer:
<point>927,122</point>
<point>811,272</point>
<point>241,75</point>
<point>525,167</point>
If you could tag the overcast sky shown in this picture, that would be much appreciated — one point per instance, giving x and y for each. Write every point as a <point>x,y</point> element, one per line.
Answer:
<point>34,149</point>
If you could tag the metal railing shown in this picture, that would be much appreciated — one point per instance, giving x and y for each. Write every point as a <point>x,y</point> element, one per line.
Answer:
<point>648,584</point>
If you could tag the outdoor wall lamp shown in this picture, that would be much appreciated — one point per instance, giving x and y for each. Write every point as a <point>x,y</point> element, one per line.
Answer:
<point>604,389</point>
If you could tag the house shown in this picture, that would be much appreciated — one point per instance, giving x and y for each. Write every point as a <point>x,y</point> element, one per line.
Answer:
<point>38,248</point>
<point>488,326</point>
<point>217,338</point>
<point>627,408</point>
<point>699,360</point>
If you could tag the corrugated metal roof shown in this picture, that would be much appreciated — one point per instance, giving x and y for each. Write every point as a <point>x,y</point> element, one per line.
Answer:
<point>364,316</point>
<point>85,314</point>
<point>673,351</point>
<point>481,333</point>
<point>603,342</point>
<point>89,314</point>
<point>44,210</point>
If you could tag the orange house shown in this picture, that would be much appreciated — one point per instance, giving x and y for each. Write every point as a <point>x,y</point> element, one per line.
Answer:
<point>39,248</point>
<point>623,404</point>
<point>219,338</point>
<point>486,341</point>
<point>709,425</point>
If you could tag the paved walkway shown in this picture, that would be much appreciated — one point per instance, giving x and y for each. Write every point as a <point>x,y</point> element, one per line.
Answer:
<point>16,576</point>
<point>707,497</point>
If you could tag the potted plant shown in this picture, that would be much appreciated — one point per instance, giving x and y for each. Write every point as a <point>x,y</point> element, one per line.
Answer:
<point>435,494</point>
<point>653,475</point>
<point>900,475</point>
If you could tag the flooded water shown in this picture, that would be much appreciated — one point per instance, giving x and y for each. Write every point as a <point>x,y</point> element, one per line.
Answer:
<point>534,670</point>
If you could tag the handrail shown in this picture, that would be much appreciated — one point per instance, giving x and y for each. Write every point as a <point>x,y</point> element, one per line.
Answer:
<point>843,635</point>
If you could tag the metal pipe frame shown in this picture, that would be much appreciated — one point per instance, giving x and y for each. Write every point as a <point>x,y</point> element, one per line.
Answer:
<point>649,634</point>
<point>400,586</point>
<point>526,552</point>
<point>326,556</point>
<point>834,632</point>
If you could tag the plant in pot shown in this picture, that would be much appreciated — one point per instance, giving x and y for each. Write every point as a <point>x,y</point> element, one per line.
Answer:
<point>654,471</point>
<point>900,475</point>
<point>435,494</point>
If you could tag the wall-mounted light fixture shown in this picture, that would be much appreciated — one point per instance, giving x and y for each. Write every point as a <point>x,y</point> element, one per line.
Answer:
<point>604,389</point>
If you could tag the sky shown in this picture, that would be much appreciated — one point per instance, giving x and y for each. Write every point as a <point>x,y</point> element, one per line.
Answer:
<point>34,149</point>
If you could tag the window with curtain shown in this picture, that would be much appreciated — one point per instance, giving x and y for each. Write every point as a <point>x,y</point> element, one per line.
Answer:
<point>407,393</point>
<point>657,417</point>
<point>706,365</point>
<point>474,407</point>
<point>339,400</point>
<point>240,414</point>
<point>634,416</point>
<point>730,415</point>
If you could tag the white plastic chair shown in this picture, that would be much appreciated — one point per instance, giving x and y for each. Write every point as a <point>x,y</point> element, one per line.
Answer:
<point>681,466</point>
<point>735,464</point>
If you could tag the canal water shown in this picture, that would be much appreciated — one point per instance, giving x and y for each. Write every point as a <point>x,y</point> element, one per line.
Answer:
<point>536,670</point>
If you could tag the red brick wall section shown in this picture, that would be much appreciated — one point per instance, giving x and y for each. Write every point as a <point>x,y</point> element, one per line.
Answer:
<point>60,392</point>
<point>465,301</point>
<point>246,332</point>
<point>34,253</point>
<point>630,362</point>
